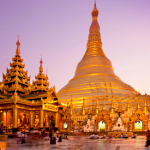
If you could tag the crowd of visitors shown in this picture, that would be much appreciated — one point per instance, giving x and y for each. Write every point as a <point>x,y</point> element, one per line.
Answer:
<point>95,136</point>
<point>53,137</point>
<point>23,137</point>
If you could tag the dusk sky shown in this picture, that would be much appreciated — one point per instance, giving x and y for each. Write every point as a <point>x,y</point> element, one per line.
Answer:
<point>58,29</point>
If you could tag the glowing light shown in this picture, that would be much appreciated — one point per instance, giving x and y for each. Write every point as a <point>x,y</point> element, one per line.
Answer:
<point>102,125</point>
<point>138,125</point>
<point>137,89</point>
<point>65,125</point>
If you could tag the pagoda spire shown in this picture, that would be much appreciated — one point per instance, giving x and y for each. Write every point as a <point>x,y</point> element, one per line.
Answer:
<point>18,48</point>
<point>95,12</point>
<point>112,105</point>
<point>16,78</point>
<point>41,83</point>
<point>41,66</point>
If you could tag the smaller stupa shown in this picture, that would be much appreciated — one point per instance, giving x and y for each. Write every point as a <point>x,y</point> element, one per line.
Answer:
<point>119,126</point>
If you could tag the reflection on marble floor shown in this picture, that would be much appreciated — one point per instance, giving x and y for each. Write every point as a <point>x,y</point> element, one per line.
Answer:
<point>79,143</point>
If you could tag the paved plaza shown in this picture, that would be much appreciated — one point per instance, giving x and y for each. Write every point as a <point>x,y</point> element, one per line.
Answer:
<point>79,143</point>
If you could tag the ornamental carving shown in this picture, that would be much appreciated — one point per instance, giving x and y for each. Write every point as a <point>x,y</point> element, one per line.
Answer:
<point>139,115</point>
<point>104,116</point>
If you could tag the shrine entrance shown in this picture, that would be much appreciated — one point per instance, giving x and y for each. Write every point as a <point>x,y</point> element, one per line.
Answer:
<point>101,126</point>
<point>65,125</point>
<point>138,126</point>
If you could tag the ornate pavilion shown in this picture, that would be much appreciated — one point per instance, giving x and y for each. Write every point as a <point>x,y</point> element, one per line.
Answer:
<point>97,98</point>
<point>24,105</point>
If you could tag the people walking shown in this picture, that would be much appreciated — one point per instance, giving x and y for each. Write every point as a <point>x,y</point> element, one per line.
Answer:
<point>50,136</point>
<point>148,139</point>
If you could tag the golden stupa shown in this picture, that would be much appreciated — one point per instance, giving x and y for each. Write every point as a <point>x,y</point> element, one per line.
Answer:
<point>94,76</point>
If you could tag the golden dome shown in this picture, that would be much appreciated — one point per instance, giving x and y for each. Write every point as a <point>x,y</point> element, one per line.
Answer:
<point>94,75</point>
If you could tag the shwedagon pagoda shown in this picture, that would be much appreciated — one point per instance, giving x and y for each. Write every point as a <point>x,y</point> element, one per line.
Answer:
<point>94,100</point>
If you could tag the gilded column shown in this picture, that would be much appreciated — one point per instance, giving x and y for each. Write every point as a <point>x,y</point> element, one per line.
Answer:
<point>31,120</point>
<point>15,118</point>
<point>46,122</point>
<point>97,106</point>
<point>56,120</point>
<point>130,126</point>
<point>145,126</point>
<point>83,107</point>
<point>41,119</point>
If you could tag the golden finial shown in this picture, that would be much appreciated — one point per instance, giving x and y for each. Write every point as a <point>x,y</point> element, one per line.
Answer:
<point>145,98</point>
<point>46,72</point>
<point>41,67</point>
<point>95,12</point>
<point>18,49</point>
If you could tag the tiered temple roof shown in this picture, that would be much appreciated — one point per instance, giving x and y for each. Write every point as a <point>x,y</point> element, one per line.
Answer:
<point>16,79</point>
<point>17,82</point>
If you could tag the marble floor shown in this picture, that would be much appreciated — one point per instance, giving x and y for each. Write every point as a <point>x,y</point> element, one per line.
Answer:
<point>79,143</point>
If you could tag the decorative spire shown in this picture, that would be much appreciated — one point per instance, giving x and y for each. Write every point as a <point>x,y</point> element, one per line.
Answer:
<point>95,12</point>
<point>104,104</point>
<point>138,102</point>
<point>83,107</point>
<point>97,106</point>
<point>119,107</point>
<point>89,111</point>
<point>145,104</point>
<point>18,49</point>
<point>112,105</point>
<point>41,67</point>
<point>71,107</point>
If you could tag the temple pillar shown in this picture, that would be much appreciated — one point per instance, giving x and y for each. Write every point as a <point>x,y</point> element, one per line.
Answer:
<point>126,126</point>
<point>130,127</point>
<point>31,120</point>
<point>108,129</point>
<point>41,119</point>
<point>56,121</point>
<point>68,125</point>
<point>46,122</point>
<point>4,118</point>
<point>15,119</point>
<point>145,126</point>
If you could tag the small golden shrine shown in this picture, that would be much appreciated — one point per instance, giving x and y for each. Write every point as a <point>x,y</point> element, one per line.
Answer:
<point>27,106</point>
